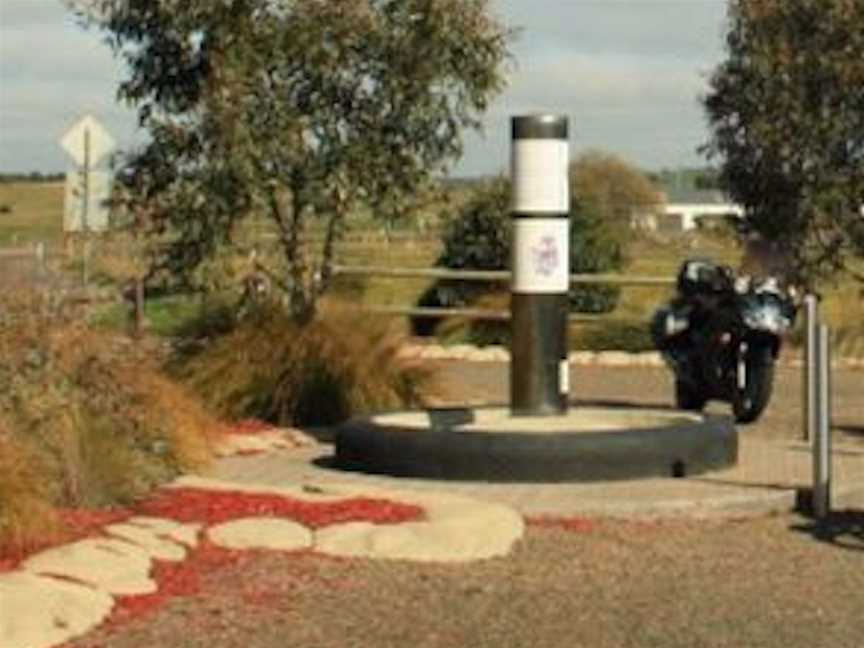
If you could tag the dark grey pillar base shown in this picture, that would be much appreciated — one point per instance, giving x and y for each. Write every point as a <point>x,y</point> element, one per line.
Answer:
<point>539,345</point>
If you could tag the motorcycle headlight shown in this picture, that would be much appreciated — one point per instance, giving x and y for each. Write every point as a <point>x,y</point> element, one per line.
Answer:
<point>767,317</point>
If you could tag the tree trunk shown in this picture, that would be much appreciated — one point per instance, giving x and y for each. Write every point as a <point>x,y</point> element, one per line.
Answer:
<point>292,237</point>
<point>138,312</point>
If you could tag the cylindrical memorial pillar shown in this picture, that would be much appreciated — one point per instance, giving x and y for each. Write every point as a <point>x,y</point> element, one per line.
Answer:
<point>539,374</point>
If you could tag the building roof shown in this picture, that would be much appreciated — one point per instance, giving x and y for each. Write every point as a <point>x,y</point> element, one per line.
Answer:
<point>686,196</point>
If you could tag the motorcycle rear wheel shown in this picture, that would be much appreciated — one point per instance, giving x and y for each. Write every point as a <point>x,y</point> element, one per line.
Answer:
<point>749,403</point>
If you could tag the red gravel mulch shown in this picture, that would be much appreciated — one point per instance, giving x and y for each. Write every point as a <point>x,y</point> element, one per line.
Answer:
<point>215,507</point>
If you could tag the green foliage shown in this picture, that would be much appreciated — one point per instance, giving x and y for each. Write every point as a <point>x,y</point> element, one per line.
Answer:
<point>341,363</point>
<point>295,110</point>
<point>606,192</point>
<point>612,335</point>
<point>786,109</point>
<point>165,316</point>
<point>476,238</point>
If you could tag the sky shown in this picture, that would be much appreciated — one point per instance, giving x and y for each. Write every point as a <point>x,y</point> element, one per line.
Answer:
<point>628,73</point>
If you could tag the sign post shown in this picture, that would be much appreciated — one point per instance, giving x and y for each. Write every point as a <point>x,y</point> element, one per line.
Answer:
<point>87,143</point>
<point>539,372</point>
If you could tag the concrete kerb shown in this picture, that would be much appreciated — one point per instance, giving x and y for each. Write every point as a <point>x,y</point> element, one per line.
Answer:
<point>596,444</point>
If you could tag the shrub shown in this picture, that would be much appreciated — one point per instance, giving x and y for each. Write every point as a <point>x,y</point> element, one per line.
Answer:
<point>341,363</point>
<point>88,418</point>
<point>478,237</point>
<point>611,335</point>
<point>26,512</point>
<point>461,330</point>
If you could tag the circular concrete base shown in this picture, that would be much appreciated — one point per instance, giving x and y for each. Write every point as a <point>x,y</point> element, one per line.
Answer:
<point>586,444</point>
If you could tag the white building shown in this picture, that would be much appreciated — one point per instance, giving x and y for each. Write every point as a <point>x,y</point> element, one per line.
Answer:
<point>687,210</point>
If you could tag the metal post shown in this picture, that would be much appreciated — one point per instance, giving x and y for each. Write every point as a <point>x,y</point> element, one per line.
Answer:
<point>811,324</point>
<point>822,438</point>
<point>539,372</point>
<point>39,252</point>
<point>85,206</point>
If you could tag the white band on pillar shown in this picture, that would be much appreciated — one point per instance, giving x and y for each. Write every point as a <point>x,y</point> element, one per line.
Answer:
<point>540,176</point>
<point>541,255</point>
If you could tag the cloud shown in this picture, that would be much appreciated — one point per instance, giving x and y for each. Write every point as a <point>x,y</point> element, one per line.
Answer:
<point>645,28</point>
<point>628,72</point>
<point>51,73</point>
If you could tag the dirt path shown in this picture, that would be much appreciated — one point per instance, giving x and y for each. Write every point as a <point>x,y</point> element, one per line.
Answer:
<point>768,582</point>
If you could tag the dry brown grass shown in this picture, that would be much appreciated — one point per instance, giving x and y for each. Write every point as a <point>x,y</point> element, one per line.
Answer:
<point>88,419</point>
<point>342,363</point>
<point>26,513</point>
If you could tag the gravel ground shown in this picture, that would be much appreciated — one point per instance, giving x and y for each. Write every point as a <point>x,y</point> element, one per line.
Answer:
<point>774,581</point>
<point>766,583</point>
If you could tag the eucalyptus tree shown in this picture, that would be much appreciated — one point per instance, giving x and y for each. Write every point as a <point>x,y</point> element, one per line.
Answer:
<point>786,109</point>
<point>294,110</point>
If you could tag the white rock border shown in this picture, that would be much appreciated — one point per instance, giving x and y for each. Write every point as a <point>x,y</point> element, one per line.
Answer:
<point>64,592</point>
<point>470,353</point>
<point>456,528</point>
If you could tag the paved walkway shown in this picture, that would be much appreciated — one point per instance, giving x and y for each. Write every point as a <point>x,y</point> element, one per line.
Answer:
<point>767,479</point>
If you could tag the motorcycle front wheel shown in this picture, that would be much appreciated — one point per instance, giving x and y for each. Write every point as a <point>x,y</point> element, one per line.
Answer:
<point>689,396</point>
<point>749,402</point>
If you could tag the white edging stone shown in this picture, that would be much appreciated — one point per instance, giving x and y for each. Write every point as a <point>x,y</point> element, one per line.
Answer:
<point>261,533</point>
<point>40,612</point>
<point>184,533</point>
<point>456,529</point>
<point>155,546</point>
<point>111,565</point>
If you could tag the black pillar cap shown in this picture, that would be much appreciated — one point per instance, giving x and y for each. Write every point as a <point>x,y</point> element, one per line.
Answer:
<point>540,127</point>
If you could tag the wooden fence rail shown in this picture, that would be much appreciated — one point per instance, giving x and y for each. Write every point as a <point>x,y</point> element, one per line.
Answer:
<point>496,276</point>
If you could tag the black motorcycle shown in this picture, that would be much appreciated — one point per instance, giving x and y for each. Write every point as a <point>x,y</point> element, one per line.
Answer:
<point>721,336</point>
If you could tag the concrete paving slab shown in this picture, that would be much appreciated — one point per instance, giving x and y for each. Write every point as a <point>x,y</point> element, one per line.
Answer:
<point>104,564</point>
<point>261,533</point>
<point>40,612</point>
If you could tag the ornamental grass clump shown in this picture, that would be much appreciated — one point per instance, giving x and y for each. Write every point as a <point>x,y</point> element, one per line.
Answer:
<point>26,515</point>
<point>341,363</point>
<point>87,418</point>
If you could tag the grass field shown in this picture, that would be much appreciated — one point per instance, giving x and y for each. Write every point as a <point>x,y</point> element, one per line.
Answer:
<point>31,212</point>
<point>36,214</point>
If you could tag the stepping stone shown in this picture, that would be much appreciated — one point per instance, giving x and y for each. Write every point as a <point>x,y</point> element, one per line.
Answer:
<point>185,533</point>
<point>40,612</point>
<point>148,540</point>
<point>456,530</point>
<point>111,565</point>
<point>261,533</point>
<point>304,493</point>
